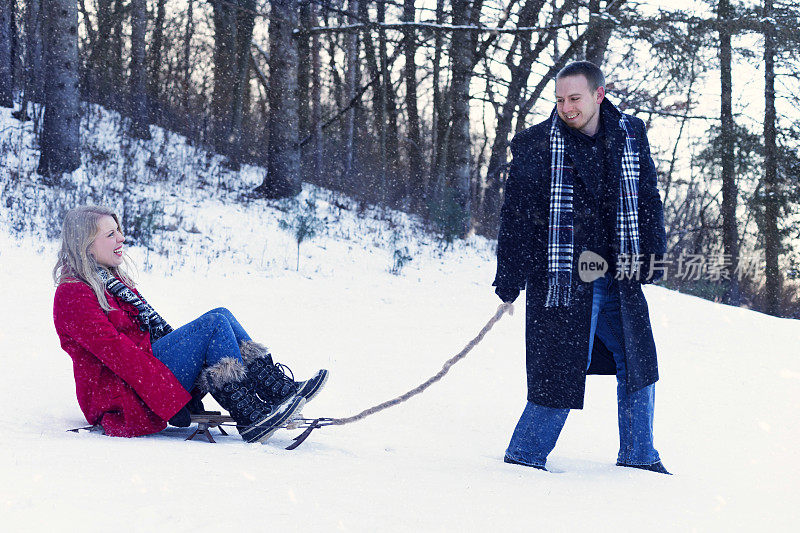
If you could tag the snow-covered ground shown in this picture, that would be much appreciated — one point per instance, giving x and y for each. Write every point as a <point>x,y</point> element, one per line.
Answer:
<point>726,415</point>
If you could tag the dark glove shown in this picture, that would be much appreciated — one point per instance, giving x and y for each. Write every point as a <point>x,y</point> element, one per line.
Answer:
<point>507,294</point>
<point>182,418</point>
<point>195,405</point>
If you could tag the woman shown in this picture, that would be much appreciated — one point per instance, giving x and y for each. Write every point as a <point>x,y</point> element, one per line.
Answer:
<point>132,371</point>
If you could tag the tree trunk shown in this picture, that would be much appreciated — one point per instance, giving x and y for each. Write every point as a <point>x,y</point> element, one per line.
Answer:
<point>378,95</point>
<point>316,98</point>
<point>393,189</point>
<point>60,138</point>
<point>137,94</point>
<point>34,82</point>
<point>772,241</point>
<point>351,80</point>
<point>304,74</point>
<point>283,160</point>
<point>441,114</point>
<point>7,53</point>
<point>222,100</point>
<point>415,153</point>
<point>600,30</point>
<point>730,238</point>
<point>245,20</point>
<point>98,76</point>
<point>156,54</point>
<point>114,61</point>
<point>459,155</point>
<point>187,55</point>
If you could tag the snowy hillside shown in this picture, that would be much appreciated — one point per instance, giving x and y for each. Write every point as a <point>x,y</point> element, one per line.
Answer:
<point>726,414</point>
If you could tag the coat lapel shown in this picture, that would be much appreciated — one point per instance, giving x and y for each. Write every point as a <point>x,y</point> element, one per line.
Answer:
<point>615,138</point>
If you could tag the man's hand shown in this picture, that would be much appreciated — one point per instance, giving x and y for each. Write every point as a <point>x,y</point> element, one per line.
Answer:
<point>507,294</point>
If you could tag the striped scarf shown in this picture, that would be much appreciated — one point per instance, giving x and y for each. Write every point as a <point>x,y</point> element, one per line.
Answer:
<point>560,232</point>
<point>149,319</point>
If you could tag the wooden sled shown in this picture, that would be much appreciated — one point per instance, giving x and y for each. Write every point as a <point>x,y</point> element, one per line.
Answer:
<point>208,420</point>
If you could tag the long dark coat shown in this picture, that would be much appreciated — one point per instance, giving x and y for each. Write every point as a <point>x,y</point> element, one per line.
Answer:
<point>557,338</point>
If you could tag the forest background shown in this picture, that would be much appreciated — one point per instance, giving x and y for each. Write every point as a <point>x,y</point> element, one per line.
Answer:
<point>411,104</point>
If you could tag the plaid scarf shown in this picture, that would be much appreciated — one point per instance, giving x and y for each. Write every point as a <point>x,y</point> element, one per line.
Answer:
<point>560,232</point>
<point>149,319</point>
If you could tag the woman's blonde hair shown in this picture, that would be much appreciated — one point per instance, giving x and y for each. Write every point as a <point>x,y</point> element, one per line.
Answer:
<point>74,260</point>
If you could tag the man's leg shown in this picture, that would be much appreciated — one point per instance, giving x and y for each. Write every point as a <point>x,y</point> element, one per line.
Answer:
<point>536,434</point>
<point>539,427</point>
<point>599,294</point>
<point>635,410</point>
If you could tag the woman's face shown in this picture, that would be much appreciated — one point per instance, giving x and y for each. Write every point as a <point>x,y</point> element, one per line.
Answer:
<point>106,247</point>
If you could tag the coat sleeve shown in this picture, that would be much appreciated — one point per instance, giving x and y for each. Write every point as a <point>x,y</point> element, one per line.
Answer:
<point>78,314</point>
<point>513,240</point>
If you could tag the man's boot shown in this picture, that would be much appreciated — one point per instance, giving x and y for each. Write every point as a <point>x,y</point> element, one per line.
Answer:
<point>256,420</point>
<point>271,380</point>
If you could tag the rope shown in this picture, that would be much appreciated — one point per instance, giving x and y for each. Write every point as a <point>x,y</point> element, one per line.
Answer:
<point>504,308</point>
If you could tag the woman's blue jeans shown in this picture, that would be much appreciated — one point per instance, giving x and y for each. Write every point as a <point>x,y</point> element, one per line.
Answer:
<point>539,427</point>
<point>200,343</point>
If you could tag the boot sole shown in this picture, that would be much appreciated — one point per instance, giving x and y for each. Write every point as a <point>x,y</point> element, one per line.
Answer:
<point>313,392</point>
<point>266,427</point>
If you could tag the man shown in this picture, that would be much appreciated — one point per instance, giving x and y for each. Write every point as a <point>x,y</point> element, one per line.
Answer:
<point>583,183</point>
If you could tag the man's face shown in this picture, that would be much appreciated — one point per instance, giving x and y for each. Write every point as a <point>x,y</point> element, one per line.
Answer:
<point>577,104</point>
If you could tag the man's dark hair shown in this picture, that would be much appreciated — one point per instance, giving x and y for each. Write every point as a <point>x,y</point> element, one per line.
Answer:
<point>587,69</point>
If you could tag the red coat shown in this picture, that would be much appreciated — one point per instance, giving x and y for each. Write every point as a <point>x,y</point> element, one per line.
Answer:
<point>118,381</point>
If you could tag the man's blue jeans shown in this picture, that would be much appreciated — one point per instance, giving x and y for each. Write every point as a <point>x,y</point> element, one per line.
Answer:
<point>200,343</point>
<point>539,427</point>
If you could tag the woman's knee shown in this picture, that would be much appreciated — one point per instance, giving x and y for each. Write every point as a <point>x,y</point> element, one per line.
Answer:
<point>222,311</point>
<point>208,321</point>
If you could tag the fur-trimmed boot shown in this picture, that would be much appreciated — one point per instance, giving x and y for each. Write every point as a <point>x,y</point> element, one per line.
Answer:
<point>256,420</point>
<point>271,380</point>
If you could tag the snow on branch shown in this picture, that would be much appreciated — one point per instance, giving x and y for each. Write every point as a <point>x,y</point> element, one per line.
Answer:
<point>431,26</point>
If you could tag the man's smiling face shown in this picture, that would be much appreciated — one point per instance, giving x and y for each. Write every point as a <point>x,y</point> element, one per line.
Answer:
<point>577,104</point>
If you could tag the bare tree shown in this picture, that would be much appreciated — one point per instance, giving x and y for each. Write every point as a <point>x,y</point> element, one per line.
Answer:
<point>378,95</point>
<point>115,60</point>
<point>772,240</point>
<point>351,80</point>
<point>415,153</point>
<point>441,113</point>
<point>390,108</point>
<point>459,148</point>
<point>520,73</point>
<point>730,193</point>
<point>304,72</point>
<point>97,80</point>
<point>187,54</point>
<point>245,20</point>
<point>224,72</point>
<point>283,159</point>
<point>233,34</point>
<point>316,98</point>
<point>155,60</point>
<point>34,81</point>
<point>7,52</point>
<point>137,92</point>
<point>60,138</point>
<point>601,26</point>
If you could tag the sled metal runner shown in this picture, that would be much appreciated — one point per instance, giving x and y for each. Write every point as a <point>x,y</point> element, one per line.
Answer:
<point>307,424</point>
<point>214,419</point>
